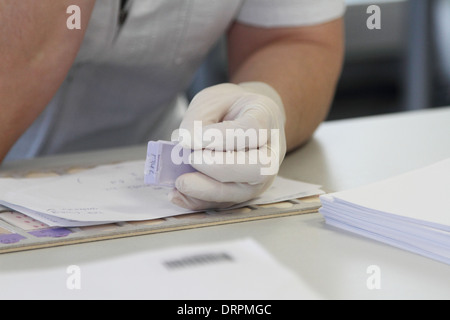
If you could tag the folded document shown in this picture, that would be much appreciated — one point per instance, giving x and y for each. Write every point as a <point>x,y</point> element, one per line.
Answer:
<point>410,211</point>
<point>112,193</point>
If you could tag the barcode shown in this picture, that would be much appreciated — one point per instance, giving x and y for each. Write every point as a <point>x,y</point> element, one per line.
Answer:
<point>198,260</point>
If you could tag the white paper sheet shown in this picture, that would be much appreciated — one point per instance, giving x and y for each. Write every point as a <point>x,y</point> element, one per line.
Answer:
<point>111,193</point>
<point>237,269</point>
<point>410,211</point>
<point>422,195</point>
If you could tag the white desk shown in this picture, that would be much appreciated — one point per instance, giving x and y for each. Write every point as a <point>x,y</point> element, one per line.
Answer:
<point>343,154</point>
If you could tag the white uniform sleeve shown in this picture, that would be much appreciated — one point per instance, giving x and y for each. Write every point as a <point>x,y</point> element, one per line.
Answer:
<point>289,13</point>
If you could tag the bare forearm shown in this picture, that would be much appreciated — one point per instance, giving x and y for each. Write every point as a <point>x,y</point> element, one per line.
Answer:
<point>304,73</point>
<point>36,50</point>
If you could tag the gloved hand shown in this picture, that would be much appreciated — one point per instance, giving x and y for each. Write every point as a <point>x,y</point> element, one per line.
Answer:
<point>237,136</point>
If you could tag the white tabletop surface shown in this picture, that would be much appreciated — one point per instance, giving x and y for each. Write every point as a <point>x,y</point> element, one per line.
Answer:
<point>343,154</point>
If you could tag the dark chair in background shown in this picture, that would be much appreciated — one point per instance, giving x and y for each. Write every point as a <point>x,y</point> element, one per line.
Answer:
<point>419,76</point>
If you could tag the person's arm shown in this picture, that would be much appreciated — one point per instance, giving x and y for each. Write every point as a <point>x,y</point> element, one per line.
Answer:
<point>36,52</point>
<point>302,64</point>
<point>283,83</point>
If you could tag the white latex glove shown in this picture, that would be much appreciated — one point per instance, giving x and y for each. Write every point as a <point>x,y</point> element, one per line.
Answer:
<point>230,171</point>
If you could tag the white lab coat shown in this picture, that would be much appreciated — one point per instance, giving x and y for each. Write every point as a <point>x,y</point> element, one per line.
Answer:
<point>126,84</point>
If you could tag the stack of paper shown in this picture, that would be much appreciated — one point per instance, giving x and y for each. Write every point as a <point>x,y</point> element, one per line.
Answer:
<point>112,193</point>
<point>410,211</point>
